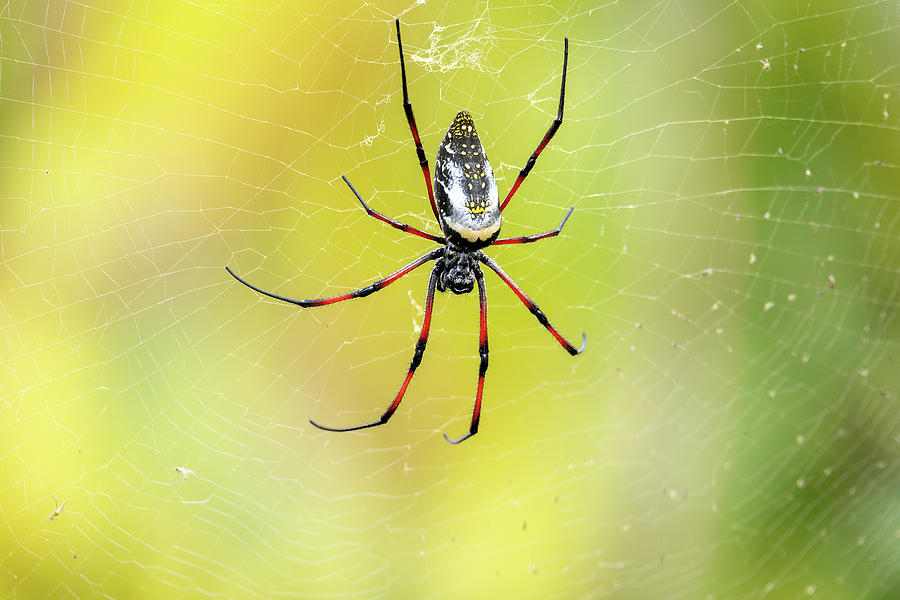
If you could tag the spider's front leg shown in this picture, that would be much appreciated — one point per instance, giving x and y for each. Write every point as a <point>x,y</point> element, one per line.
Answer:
<point>369,289</point>
<point>417,358</point>
<point>535,309</point>
<point>483,353</point>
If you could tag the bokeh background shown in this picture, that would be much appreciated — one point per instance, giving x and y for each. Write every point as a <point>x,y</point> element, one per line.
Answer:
<point>730,432</point>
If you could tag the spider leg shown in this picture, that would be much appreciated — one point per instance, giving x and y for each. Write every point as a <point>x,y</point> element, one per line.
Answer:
<point>401,226</point>
<point>533,238</point>
<point>372,287</point>
<point>417,358</point>
<point>483,365</point>
<point>547,137</point>
<point>537,312</point>
<point>407,108</point>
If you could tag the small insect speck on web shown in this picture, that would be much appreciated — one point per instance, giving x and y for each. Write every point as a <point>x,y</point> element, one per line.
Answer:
<point>58,510</point>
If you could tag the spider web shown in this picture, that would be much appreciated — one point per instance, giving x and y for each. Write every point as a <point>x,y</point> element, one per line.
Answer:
<point>730,432</point>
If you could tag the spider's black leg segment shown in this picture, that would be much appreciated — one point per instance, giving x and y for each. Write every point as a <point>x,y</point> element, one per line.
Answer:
<point>407,108</point>
<point>372,287</point>
<point>417,358</point>
<point>537,312</point>
<point>483,365</point>
<point>533,238</point>
<point>547,137</point>
<point>401,226</point>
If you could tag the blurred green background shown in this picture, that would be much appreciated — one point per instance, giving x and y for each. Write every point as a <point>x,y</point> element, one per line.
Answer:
<point>730,432</point>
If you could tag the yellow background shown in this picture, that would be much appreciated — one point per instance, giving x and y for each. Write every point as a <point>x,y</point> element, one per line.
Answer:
<point>730,432</point>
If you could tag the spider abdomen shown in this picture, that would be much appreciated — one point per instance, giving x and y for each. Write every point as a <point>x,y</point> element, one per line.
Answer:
<point>464,187</point>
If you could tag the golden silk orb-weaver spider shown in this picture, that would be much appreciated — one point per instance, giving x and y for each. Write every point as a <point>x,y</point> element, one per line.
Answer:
<point>465,203</point>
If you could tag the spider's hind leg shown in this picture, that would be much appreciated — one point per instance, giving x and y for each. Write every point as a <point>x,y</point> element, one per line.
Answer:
<point>547,136</point>
<point>407,108</point>
<point>392,222</point>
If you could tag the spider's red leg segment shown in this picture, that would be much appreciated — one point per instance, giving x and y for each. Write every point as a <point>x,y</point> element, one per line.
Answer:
<point>483,365</point>
<point>417,358</point>
<point>401,226</point>
<point>537,312</point>
<point>407,108</point>
<point>533,238</point>
<point>547,137</point>
<point>372,287</point>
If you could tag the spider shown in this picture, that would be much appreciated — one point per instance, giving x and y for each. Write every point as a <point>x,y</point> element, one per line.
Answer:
<point>465,203</point>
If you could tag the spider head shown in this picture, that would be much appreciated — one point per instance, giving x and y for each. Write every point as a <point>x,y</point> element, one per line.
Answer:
<point>458,280</point>
<point>458,270</point>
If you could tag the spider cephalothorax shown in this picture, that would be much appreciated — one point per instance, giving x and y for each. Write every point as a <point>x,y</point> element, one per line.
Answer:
<point>456,269</point>
<point>464,200</point>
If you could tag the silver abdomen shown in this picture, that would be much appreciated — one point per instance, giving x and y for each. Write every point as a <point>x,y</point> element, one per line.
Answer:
<point>464,187</point>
